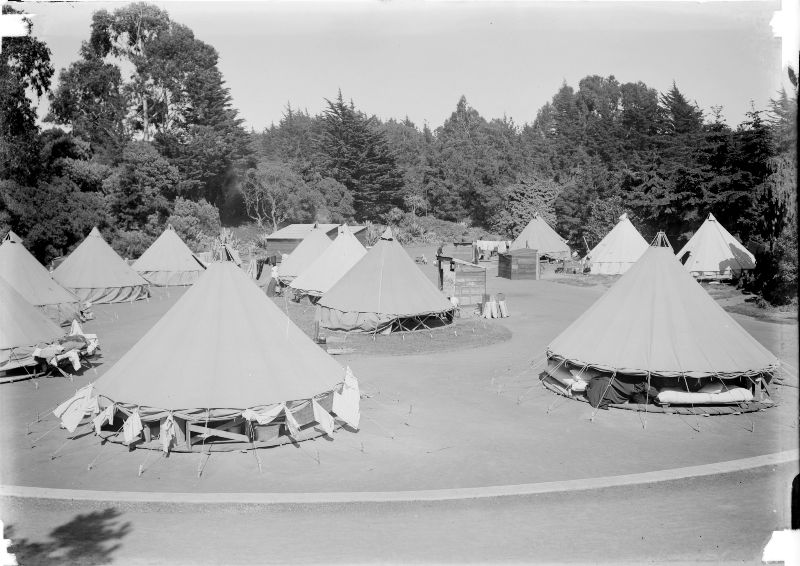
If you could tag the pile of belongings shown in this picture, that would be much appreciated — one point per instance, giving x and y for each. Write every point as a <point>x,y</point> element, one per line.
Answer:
<point>71,348</point>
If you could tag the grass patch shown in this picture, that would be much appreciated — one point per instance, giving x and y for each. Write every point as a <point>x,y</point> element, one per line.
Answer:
<point>779,317</point>
<point>585,280</point>
<point>468,332</point>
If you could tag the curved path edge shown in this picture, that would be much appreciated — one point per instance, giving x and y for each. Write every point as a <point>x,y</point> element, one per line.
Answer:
<point>785,457</point>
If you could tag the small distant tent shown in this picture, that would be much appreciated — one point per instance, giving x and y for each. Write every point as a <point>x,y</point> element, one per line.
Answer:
<point>658,325</point>
<point>539,235</point>
<point>169,262</point>
<point>95,273</point>
<point>331,265</point>
<point>713,253</point>
<point>222,361</point>
<point>31,280</point>
<point>385,291</point>
<point>23,327</point>
<point>618,250</point>
<point>303,255</point>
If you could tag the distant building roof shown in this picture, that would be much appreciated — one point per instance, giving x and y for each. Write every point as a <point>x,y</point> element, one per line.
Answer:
<point>300,231</point>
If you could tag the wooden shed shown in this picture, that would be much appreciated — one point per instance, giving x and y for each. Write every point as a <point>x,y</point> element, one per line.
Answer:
<point>285,240</point>
<point>461,279</point>
<point>519,264</point>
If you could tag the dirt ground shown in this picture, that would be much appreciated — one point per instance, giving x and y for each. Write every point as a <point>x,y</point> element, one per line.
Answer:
<point>716,520</point>
<point>457,418</point>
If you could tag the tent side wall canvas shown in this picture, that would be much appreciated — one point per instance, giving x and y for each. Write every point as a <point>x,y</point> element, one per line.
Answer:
<point>385,291</point>
<point>95,273</point>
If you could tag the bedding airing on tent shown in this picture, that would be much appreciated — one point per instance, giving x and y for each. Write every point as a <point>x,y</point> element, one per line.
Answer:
<point>169,262</point>
<point>539,235</point>
<point>713,253</point>
<point>305,254</point>
<point>618,250</point>
<point>23,328</point>
<point>330,266</point>
<point>384,292</point>
<point>95,273</point>
<point>31,280</point>
<point>227,366</point>
<point>658,330</point>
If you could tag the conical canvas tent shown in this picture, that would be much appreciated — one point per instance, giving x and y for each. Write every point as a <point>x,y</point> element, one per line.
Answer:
<point>306,253</point>
<point>539,236</point>
<point>619,250</point>
<point>31,280</point>
<point>657,321</point>
<point>713,253</point>
<point>23,327</point>
<point>384,291</point>
<point>225,353</point>
<point>169,262</point>
<point>335,261</point>
<point>95,273</point>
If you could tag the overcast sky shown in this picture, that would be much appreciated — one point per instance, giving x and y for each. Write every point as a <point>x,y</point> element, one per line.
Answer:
<point>417,58</point>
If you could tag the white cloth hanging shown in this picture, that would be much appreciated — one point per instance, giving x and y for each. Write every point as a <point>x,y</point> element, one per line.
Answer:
<point>132,428</point>
<point>105,416</point>
<point>346,405</point>
<point>167,433</point>
<point>291,422</point>
<point>264,417</point>
<point>75,329</point>
<point>323,418</point>
<point>73,409</point>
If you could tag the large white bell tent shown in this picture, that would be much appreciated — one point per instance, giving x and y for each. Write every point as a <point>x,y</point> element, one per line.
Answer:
<point>539,235</point>
<point>23,328</point>
<point>385,291</point>
<point>306,253</point>
<point>657,335</point>
<point>223,365</point>
<point>95,273</point>
<point>335,261</point>
<point>169,262</point>
<point>31,280</point>
<point>713,253</point>
<point>618,250</point>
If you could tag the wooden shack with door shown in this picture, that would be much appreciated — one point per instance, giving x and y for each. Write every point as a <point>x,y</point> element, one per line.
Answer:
<point>519,264</point>
<point>461,279</point>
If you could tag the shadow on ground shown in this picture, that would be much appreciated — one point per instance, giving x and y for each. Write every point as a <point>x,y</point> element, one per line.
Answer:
<point>88,539</point>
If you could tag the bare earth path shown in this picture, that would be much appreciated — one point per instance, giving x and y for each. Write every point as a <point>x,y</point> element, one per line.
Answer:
<point>716,519</point>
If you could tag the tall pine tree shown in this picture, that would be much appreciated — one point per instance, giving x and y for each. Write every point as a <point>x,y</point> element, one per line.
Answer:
<point>354,152</point>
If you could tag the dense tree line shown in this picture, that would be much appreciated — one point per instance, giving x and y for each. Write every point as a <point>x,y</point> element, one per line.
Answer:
<point>150,135</point>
